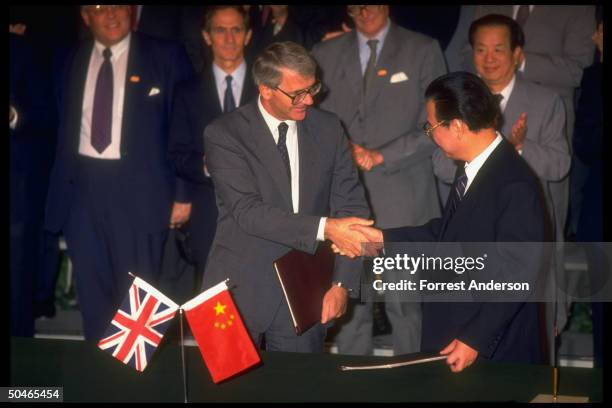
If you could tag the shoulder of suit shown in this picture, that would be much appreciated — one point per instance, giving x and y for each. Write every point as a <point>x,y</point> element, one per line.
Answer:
<point>333,45</point>
<point>156,43</point>
<point>409,38</point>
<point>320,117</point>
<point>512,167</point>
<point>537,94</point>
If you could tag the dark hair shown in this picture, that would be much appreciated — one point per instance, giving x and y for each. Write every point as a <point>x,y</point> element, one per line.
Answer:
<point>517,37</point>
<point>462,95</point>
<point>211,10</point>
<point>287,54</point>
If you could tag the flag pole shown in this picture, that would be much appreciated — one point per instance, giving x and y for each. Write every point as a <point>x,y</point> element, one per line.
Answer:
<point>183,357</point>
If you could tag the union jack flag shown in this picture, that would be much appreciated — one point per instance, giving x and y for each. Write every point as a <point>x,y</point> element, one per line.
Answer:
<point>139,325</point>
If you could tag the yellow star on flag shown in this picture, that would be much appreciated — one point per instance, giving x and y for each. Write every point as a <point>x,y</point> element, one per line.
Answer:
<point>219,308</point>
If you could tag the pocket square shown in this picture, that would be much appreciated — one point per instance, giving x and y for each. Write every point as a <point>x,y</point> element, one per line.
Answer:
<point>398,77</point>
<point>154,91</point>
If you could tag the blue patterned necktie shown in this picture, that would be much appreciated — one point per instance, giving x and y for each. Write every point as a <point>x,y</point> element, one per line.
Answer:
<point>102,116</point>
<point>456,196</point>
<point>282,148</point>
<point>228,100</point>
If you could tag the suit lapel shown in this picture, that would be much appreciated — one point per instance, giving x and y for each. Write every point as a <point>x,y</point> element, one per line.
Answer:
<point>210,98</point>
<point>136,76</point>
<point>352,66</point>
<point>513,107</point>
<point>309,158</point>
<point>77,79</point>
<point>266,150</point>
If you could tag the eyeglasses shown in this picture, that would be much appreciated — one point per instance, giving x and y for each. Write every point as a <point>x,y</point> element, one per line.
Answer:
<point>427,128</point>
<point>301,95</point>
<point>355,10</point>
<point>100,9</point>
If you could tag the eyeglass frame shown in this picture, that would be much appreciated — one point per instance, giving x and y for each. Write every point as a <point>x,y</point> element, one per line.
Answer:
<point>303,92</point>
<point>369,7</point>
<point>428,128</point>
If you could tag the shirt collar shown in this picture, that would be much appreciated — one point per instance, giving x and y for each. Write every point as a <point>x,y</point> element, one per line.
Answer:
<point>116,49</point>
<point>273,122</point>
<point>381,36</point>
<point>472,168</point>
<point>237,76</point>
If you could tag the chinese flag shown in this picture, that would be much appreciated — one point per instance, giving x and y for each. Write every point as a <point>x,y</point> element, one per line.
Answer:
<point>223,340</point>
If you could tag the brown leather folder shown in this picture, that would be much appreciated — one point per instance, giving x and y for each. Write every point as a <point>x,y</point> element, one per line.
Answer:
<point>305,278</point>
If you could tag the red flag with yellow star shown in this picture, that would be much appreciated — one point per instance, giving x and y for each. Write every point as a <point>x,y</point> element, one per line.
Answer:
<point>223,340</point>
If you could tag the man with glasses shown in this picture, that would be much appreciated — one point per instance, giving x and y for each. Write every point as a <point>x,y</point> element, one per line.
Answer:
<point>377,75</point>
<point>224,85</point>
<point>111,187</point>
<point>495,198</point>
<point>284,180</point>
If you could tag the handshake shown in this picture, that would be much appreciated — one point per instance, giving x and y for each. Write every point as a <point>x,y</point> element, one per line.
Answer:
<point>353,236</point>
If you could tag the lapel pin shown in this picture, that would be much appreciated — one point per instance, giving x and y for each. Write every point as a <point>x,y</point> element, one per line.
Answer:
<point>134,78</point>
<point>382,72</point>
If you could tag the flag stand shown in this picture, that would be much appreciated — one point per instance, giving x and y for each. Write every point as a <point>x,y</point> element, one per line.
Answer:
<point>183,357</point>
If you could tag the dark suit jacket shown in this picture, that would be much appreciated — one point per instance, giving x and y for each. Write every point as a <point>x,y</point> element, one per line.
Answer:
<point>504,203</point>
<point>256,223</point>
<point>148,188</point>
<point>196,104</point>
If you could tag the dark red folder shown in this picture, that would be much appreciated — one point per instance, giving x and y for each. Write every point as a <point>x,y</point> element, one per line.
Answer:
<point>305,278</point>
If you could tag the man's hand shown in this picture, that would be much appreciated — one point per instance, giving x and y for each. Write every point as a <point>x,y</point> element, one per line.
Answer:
<point>374,236</point>
<point>334,303</point>
<point>333,34</point>
<point>346,240</point>
<point>364,158</point>
<point>180,214</point>
<point>460,355</point>
<point>519,131</point>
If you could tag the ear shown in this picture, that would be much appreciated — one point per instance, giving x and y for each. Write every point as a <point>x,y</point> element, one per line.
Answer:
<point>248,37</point>
<point>458,127</point>
<point>206,37</point>
<point>85,17</point>
<point>265,91</point>
<point>518,56</point>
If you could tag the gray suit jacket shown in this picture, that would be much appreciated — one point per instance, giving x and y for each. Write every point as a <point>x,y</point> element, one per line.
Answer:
<point>402,190</point>
<point>545,148</point>
<point>256,224</point>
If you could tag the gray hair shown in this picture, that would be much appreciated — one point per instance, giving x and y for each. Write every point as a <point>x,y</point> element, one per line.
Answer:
<point>267,66</point>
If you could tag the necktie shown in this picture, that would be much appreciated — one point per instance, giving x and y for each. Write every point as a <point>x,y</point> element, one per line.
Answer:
<point>368,77</point>
<point>102,116</point>
<point>282,148</point>
<point>522,15</point>
<point>228,100</point>
<point>456,195</point>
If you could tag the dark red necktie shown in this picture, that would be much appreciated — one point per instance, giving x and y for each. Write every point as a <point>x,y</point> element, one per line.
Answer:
<point>102,116</point>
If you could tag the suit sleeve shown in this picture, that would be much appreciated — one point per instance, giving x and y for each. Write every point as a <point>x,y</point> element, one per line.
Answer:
<point>236,189</point>
<point>549,155</point>
<point>184,151</point>
<point>414,146</point>
<point>565,70</point>
<point>521,220</point>
<point>347,199</point>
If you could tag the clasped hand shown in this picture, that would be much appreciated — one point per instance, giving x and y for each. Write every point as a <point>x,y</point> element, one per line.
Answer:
<point>353,236</point>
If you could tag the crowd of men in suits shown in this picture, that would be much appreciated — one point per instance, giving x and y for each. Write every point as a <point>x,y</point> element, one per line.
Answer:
<point>136,158</point>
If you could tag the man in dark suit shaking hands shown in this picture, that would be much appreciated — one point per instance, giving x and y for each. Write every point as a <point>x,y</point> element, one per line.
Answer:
<point>495,198</point>
<point>284,179</point>
<point>112,187</point>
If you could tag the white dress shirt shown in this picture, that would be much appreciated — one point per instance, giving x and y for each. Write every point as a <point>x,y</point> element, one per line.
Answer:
<point>237,82</point>
<point>294,159</point>
<point>119,58</point>
<point>472,168</point>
